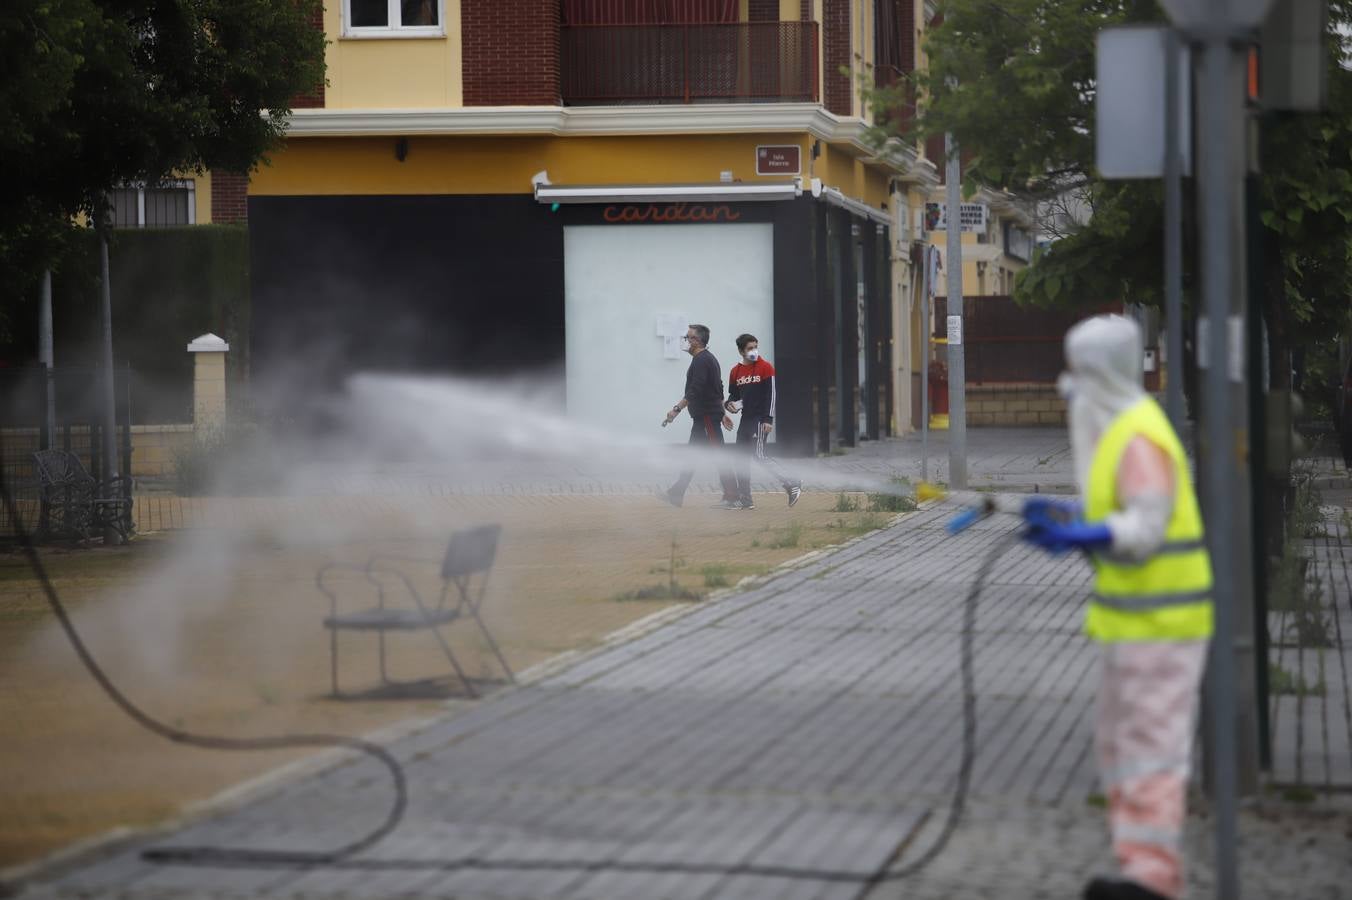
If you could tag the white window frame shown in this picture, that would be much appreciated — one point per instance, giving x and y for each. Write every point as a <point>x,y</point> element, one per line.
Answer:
<point>140,187</point>
<point>394,11</point>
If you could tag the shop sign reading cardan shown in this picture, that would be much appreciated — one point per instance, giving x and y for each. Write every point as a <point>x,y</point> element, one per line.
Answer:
<point>673,212</point>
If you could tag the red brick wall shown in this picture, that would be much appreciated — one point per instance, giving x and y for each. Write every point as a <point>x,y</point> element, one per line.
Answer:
<point>511,52</point>
<point>838,89</point>
<point>314,98</point>
<point>229,198</point>
<point>763,10</point>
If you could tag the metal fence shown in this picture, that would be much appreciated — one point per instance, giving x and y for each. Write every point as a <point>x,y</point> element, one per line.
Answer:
<point>1011,344</point>
<point>1309,637</point>
<point>741,61</point>
<point>76,394</point>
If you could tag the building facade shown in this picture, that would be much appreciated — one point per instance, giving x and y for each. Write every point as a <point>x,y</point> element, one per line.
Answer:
<point>561,185</point>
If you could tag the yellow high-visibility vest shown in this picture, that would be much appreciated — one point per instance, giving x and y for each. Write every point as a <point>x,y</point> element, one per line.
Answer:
<point>1168,596</point>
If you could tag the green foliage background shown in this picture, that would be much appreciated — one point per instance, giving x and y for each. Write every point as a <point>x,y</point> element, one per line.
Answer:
<point>169,286</point>
<point>97,93</point>
<point>1014,82</point>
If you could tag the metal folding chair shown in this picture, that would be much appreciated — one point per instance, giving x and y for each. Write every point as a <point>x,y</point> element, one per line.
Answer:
<point>469,557</point>
<point>76,503</point>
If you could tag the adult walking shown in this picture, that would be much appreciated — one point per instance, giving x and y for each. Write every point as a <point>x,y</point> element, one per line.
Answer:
<point>751,389</point>
<point>704,400</point>
<point>1152,604</point>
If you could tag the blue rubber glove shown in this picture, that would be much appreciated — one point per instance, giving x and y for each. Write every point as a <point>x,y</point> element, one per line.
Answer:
<point>1058,526</point>
<point>1057,538</point>
<point>1043,510</point>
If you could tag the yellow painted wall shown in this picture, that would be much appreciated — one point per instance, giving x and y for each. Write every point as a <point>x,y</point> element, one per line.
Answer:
<point>835,168</point>
<point>202,197</point>
<point>504,165</point>
<point>840,169</point>
<point>790,11</point>
<point>393,73</point>
<point>498,165</point>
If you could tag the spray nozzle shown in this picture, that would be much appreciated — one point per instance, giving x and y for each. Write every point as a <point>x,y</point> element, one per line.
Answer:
<point>970,516</point>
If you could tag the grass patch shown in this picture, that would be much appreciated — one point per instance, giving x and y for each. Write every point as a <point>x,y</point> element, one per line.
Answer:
<point>660,592</point>
<point>1293,588</point>
<point>891,503</point>
<point>1307,520</point>
<point>715,575</point>
<point>869,521</point>
<point>1280,681</point>
<point>846,503</point>
<point>1298,795</point>
<point>788,536</point>
<point>1098,801</point>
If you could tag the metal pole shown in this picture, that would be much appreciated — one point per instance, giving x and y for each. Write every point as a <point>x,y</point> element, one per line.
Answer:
<point>109,466</point>
<point>1219,110</point>
<point>47,356</point>
<point>1173,235</point>
<point>925,288</point>
<point>957,369</point>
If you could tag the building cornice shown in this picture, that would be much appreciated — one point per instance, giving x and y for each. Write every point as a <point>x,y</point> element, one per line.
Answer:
<point>1006,204</point>
<point>563,121</point>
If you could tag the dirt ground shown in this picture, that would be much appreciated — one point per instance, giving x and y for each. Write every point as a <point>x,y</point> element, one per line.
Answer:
<point>217,629</point>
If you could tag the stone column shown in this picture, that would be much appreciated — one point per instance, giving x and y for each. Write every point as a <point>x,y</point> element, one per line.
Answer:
<point>208,384</point>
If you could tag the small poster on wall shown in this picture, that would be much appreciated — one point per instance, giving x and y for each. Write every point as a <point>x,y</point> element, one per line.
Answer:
<point>671,327</point>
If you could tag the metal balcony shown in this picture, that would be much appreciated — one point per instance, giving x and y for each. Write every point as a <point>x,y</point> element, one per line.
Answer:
<point>740,62</point>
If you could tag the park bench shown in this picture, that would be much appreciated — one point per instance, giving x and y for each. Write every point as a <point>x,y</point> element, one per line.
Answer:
<point>77,505</point>
<point>464,571</point>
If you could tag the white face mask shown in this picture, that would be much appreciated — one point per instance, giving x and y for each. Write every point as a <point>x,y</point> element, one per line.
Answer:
<point>752,355</point>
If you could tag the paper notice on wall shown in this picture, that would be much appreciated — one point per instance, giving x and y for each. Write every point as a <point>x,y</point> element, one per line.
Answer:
<point>671,346</point>
<point>671,324</point>
<point>954,330</point>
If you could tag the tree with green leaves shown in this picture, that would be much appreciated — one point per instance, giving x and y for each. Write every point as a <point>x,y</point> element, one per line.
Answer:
<point>98,93</point>
<point>1013,81</point>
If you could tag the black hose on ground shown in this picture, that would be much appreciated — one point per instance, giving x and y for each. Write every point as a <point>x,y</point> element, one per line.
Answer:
<point>342,857</point>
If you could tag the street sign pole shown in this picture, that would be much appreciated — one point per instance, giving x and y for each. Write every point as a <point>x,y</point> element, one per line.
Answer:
<point>957,363</point>
<point>47,356</point>
<point>926,288</point>
<point>108,391</point>
<point>1173,235</point>
<point>1217,139</point>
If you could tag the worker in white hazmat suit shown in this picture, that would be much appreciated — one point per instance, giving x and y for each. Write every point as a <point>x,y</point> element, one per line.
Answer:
<point>1151,609</point>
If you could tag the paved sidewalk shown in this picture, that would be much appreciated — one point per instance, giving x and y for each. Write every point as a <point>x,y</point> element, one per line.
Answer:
<point>812,722</point>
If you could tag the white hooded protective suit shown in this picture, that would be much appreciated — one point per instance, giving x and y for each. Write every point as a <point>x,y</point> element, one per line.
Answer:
<point>1148,690</point>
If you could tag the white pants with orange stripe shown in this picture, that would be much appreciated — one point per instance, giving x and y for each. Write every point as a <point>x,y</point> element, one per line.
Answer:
<point>1147,712</point>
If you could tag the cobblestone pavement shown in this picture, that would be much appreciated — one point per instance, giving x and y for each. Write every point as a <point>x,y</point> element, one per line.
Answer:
<point>1311,716</point>
<point>812,722</point>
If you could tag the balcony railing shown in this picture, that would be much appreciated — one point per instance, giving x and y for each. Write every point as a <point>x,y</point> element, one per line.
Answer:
<point>722,63</point>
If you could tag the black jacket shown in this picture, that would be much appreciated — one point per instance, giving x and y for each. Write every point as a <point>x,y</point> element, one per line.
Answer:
<point>704,386</point>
